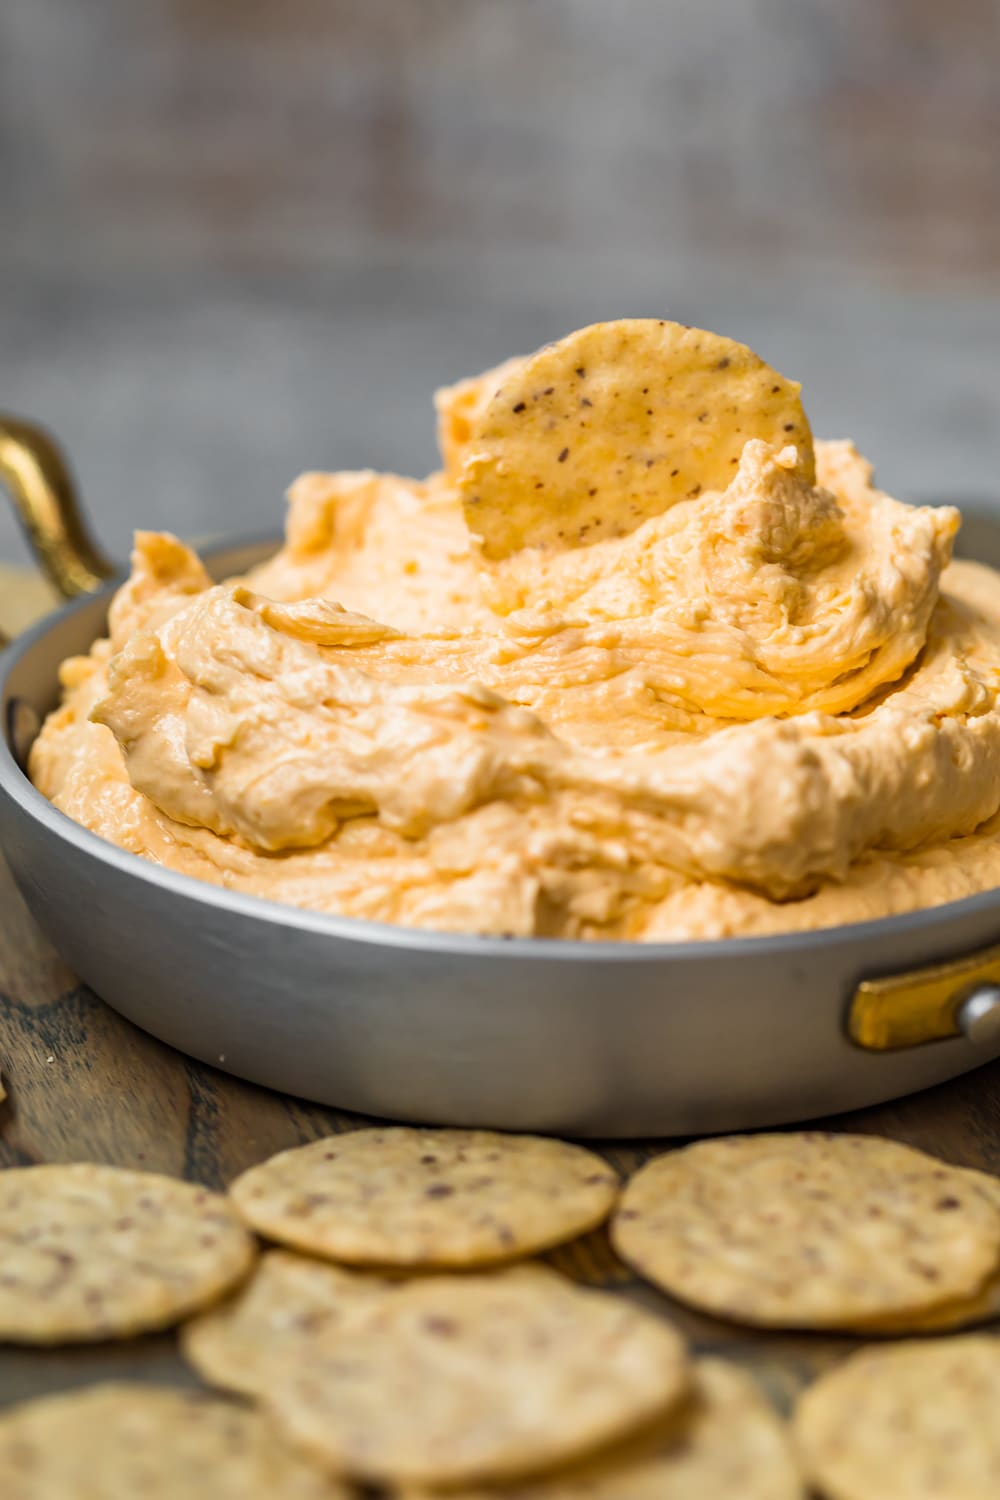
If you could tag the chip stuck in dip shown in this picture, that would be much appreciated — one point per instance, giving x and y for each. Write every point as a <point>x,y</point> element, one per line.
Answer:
<point>643,662</point>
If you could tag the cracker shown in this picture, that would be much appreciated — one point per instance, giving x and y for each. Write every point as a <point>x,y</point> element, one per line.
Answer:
<point>807,1230</point>
<point>119,1441</point>
<point>944,1317</point>
<point>591,436</point>
<point>983,1306</point>
<point>455,1379</point>
<point>241,1344</point>
<point>913,1421</point>
<point>725,1443</point>
<point>410,1197</point>
<point>92,1252</point>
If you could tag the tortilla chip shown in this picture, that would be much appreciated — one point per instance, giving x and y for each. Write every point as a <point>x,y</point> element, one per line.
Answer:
<point>983,1306</point>
<point>591,436</point>
<point>121,1441</point>
<point>807,1230</point>
<point>290,1300</point>
<point>915,1420</point>
<point>91,1252</point>
<point>726,1442</point>
<point>412,1197</point>
<point>458,1379</point>
<point>460,408</point>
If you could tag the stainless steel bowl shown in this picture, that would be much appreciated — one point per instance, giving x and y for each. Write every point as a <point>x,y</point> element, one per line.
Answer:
<point>598,1039</point>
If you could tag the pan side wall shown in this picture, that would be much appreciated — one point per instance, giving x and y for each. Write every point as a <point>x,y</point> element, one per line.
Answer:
<point>568,1039</point>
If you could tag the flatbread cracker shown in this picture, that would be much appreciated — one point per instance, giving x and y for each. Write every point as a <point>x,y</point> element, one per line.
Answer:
<point>410,1197</point>
<point>241,1344</point>
<point>913,1421</point>
<point>807,1230</point>
<point>591,436</point>
<point>726,1442</point>
<point>91,1252</point>
<point>459,1379</point>
<point>118,1442</point>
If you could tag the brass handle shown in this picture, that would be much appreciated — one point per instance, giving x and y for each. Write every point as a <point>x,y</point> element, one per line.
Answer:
<point>958,998</point>
<point>37,477</point>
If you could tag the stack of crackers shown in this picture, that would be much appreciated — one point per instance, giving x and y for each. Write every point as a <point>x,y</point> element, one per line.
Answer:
<point>397,1334</point>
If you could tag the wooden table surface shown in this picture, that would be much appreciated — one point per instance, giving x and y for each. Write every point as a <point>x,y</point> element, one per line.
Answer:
<point>84,1084</point>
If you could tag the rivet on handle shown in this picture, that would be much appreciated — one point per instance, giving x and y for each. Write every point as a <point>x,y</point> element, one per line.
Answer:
<point>978,1016</point>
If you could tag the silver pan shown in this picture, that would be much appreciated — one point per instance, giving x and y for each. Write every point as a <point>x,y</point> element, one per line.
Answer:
<point>594,1039</point>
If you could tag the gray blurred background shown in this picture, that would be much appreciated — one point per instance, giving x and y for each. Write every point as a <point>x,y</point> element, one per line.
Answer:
<point>239,238</point>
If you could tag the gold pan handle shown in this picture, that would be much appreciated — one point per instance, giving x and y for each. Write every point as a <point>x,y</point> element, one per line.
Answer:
<point>958,998</point>
<point>37,477</point>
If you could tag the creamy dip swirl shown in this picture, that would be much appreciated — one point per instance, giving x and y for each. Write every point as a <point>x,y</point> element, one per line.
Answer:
<point>772,707</point>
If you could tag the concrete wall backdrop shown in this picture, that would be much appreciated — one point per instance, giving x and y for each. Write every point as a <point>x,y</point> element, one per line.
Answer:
<point>243,237</point>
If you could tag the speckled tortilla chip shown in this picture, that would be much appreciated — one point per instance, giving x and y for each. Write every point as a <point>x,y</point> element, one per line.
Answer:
<point>290,1300</point>
<point>944,1317</point>
<point>983,1306</point>
<point>411,1197</point>
<point>91,1252</point>
<point>726,1442</point>
<point>459,409</point>
<point>460,1379</point>
<point>916,1421</point>
<point>119,1442</point>
<point>591,436</point>
<point>807,1230</point>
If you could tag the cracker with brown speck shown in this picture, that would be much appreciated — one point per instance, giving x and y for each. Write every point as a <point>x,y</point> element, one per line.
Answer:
<point>591,436</point>
<point>726,1442</point>
<point>912,1421</point>
<point>118,1442</point>
<point>460,1379</point>
<point>807,1230</point>
<point>242,1343</point>
<point>410,1197</point>
<point>92,1252</point>
<point>983,1306</point>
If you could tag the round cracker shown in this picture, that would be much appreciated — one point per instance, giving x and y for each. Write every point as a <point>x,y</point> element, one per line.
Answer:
<point>725,1441</point>
<point>807,1230</point>
<point>409,1197</point>
<point>944,1317</point>
<point>914,1421</point>
<point>289,1301</point>
<point>120,1441</point>
<point>958,1312</point>
<point>454,1379</point>
<point>591,436</point>
<point>92,1252</point>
